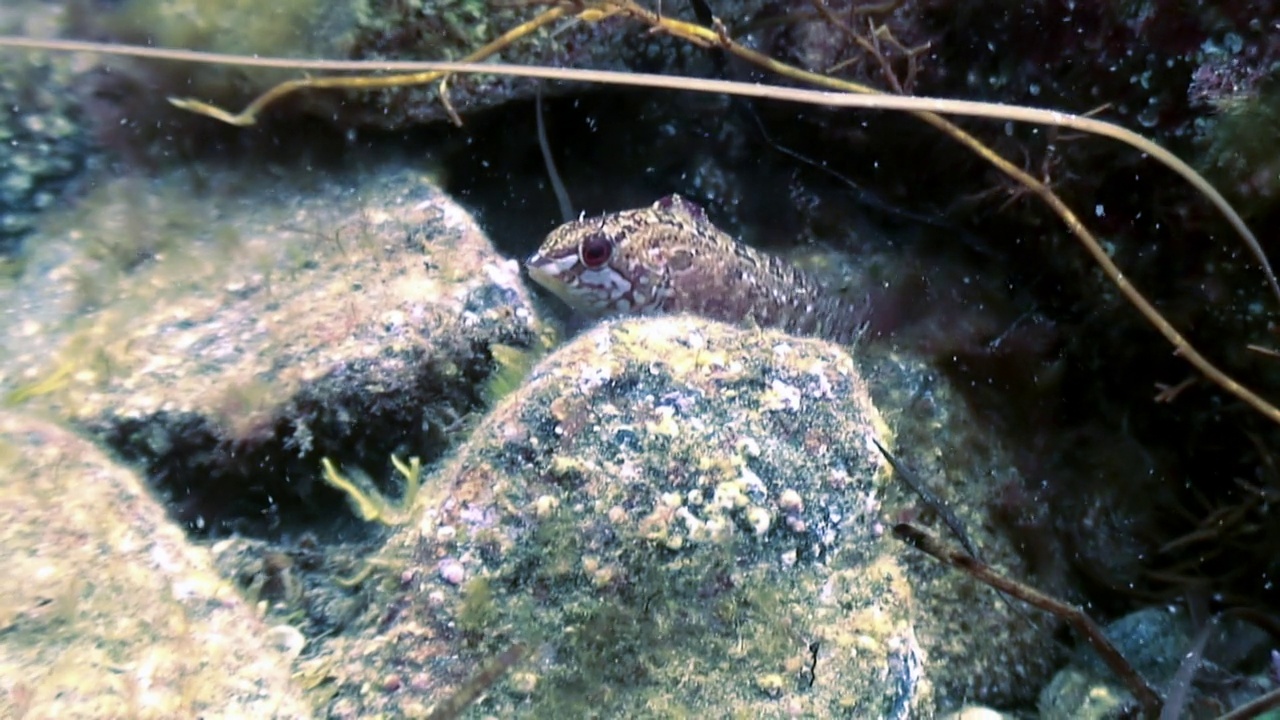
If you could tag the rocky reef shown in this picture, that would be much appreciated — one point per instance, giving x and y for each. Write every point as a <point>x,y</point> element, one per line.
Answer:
<point>288,382</point>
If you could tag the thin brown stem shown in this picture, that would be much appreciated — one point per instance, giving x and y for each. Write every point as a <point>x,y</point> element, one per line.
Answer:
<point>1072,615</point>
<point>927,109</point>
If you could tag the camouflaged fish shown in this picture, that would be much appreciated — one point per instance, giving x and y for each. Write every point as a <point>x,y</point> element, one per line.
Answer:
<point>668,258</point>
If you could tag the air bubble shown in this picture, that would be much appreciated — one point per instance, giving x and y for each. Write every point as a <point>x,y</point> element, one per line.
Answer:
<point>1149,116</point>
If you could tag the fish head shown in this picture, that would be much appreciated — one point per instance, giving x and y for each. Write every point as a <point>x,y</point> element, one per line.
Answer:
<point>625,263</point>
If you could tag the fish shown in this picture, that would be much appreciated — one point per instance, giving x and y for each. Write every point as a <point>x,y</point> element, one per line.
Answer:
<point>669,258</point>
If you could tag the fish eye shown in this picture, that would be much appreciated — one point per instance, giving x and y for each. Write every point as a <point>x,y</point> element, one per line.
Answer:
<point>595,250</point>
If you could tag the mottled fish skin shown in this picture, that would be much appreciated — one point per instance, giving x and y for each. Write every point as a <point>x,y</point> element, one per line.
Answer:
<point>669,258</point>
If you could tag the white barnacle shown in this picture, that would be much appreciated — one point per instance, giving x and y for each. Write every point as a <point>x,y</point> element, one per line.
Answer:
<point>789,501</point>
<point>759,520</point>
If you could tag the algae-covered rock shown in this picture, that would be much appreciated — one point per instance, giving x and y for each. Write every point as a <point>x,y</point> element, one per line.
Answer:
<point>292,28</point>
<point>42,139</point>
<point>228,330</point>
<point>355,30</point>
<point>106,611</point>
<point>673,517</point>
<point>1158,642</point>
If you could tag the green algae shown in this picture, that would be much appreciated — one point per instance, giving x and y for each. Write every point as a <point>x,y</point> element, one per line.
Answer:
<point>477,613</point>
<point>291,28</point>
<point>511,366</point>
<point>57,379</point>
<point>628,628</point>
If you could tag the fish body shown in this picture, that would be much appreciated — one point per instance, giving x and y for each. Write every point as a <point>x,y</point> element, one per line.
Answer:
<point>668,258</point>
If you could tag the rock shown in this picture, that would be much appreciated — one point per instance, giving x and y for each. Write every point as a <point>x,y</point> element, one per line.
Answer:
<point>1157,642</point>
<point>107,611</point>
<point>228,337</point>
<point>1074,693</point>
<point>981,648</point>
<point>439,30</point>
<point>673,515</point>
<point>43,143</point>
<point>1153,640</point>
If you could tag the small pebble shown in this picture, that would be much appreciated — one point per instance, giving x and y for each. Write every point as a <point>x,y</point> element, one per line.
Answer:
<point>287,639</point>
<point>452,572</point>
<point>770,684</point>
<point>524,683</point>
<point>545,506</point>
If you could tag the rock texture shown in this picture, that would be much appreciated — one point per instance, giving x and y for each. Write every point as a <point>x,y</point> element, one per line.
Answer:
<point>107,610</point>
<point>679,516</point>
<point>228,342</point>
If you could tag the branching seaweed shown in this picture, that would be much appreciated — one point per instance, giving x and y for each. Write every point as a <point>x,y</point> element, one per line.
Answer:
<point>370,504</point>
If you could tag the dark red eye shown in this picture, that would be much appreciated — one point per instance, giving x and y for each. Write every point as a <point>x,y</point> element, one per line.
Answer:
<point>595,251</point>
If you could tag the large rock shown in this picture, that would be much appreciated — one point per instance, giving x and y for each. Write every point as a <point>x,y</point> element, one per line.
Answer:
<point>678,516</point>
<point>230,337</point>
<point>107,611</point>
<point>43,141</point>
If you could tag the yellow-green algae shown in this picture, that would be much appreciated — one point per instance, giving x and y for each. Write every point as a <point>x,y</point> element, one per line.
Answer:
<point>368,502</point>
<point>512,364</point>
<point>283,28</point>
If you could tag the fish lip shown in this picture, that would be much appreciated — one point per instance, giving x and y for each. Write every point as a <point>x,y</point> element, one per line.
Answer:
<point>536,267</point>
<point>539,272</point>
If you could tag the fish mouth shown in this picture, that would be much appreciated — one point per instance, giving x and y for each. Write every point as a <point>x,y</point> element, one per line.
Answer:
<point>542,271</point>
<point>537,267</point>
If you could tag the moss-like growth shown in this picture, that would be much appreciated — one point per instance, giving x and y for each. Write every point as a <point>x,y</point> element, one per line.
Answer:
<point>511,365</point>
<point>477,612</point>
<point>626,620</point>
